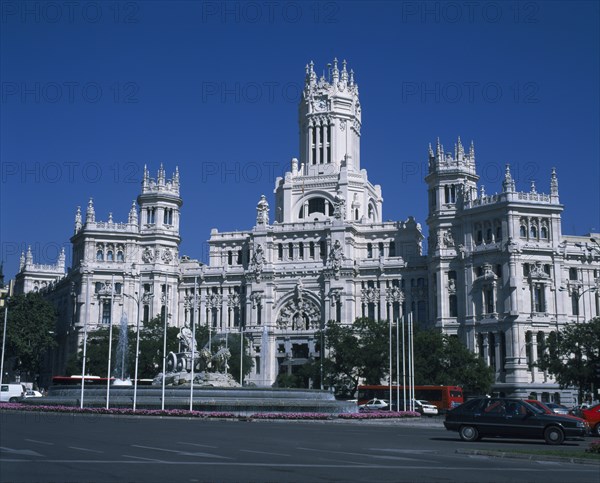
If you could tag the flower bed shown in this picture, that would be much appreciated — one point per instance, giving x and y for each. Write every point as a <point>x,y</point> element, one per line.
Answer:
<point>207,414</point>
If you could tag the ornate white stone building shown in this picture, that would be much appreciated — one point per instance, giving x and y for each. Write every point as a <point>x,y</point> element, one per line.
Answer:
<point>498,274</point>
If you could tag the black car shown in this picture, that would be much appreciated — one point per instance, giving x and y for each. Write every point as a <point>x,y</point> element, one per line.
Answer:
<point>511,418</point>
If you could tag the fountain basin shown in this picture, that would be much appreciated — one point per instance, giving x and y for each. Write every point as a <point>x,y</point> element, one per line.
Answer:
<point>242,401</point>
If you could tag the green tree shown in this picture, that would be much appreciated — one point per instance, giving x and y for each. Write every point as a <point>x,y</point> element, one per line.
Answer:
<point>30,331</point>
<point>361,351</point>
<point>443,360</point>
<point>572,354</point>
<point>354,352</point>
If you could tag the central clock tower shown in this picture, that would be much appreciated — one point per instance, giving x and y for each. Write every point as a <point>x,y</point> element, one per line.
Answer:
<point>330,121</point>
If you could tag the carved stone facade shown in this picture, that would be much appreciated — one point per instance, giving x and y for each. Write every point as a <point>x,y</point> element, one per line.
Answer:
<point>499,274</point>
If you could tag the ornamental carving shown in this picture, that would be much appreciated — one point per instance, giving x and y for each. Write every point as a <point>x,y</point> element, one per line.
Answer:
<point>256,298</point>
<point>299,313</point>
<point>167,256</point>
<point>214,300</point>
<point>537,271</point>
<point>394,294</point>
<point>234,300</point>
<point>370,295</point>
<point>148,255</point>
<point>335,295</point>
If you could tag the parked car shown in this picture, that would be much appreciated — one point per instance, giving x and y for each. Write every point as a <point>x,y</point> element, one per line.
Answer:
<point>374,405</point>
<point>31,393</point>
<point>544,407</point>
<point>557,408</point>
<point>11,392</point>
<point>510,418</point>
<point>592,416</point>
<point>420,405</point>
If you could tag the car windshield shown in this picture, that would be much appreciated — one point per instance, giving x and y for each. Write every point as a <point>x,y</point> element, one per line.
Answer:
<point>533,408</point>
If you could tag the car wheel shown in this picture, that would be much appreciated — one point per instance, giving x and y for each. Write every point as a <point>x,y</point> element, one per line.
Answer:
<point>469,433</point>
<point>554,435</point>
<point>13,400</point>
<point>597,429</point>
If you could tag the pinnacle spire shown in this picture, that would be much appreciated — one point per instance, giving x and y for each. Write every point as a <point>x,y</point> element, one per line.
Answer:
<point>508,184</point>
<point>553,183</point>
<point>90,214</point>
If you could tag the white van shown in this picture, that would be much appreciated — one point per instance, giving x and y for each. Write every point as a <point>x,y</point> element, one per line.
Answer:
<point>11,392</point>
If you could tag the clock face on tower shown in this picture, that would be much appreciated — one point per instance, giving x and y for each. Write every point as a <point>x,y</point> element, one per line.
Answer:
<point>320,104</point>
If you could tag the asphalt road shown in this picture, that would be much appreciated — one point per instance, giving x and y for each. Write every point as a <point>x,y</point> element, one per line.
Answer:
<point>79,448</point>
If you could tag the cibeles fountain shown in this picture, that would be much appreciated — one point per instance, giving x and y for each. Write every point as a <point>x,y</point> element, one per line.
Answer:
<point>200,376</point>
<point>205,367</point>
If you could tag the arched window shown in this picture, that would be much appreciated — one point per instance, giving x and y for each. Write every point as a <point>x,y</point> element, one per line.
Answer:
<point>356,214</point>
<point>290,251</point>
<point>488,235</point>
<point>99,255</point>
<point>392,249</point>
<point>544,232</point>
<point>311,249</point>
<point>239,257</point>
<point>280,251</point>
<point>229,257</point>
<point>109,256</point>
<point>369,250</point>
<point>301,251</point>
<point>381,251</point>
<point>371,212</point>
<point>316,205</point>
<point>523,231</point>
<point>498,233</point>
<point>120,256</point>
<point>533,231</point>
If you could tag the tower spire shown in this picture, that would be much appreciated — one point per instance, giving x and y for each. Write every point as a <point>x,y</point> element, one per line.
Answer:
<point>553,183</point>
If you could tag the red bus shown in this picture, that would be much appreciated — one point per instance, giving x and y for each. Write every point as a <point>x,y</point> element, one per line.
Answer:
<point>444,397</point>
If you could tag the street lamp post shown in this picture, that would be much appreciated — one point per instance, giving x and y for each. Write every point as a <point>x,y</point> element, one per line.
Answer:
<point>577,294</point>
<point>4,339</point>
<point>85,332</point>
<point>195,310</point>
<point>138,300</point>
<point>164,368</point>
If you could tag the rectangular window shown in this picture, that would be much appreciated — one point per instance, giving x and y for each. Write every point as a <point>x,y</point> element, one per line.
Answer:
<point>538,298</point>
<point>106,312</point>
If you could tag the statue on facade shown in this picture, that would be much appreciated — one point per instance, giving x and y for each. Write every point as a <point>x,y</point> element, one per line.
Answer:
<point>336,256</point>
<point>339,207</point>
<point>258,260</point>
<point>262,211</point>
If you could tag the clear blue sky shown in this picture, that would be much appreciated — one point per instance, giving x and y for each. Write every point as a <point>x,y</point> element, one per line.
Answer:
<point>91,92</point>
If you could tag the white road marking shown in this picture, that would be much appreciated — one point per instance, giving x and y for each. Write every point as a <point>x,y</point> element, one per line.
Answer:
<point>366,455</point>
<point>199,445</point>
<point>265,452</point>
<point>24,452</point>
<point>183,453</point>
<point>40,442</point>
<point>86,449</point>
<point>589,469</point>
<point>142,458</point>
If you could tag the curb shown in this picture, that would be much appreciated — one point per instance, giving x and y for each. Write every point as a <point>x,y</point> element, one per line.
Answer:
<point>531,457</point>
